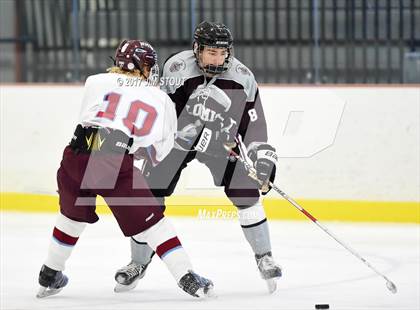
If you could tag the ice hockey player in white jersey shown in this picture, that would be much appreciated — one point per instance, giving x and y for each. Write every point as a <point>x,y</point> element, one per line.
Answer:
<point>217,101</point>
<point>123,118</point>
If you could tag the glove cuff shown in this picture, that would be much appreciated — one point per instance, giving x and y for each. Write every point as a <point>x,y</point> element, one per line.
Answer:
<point>258,150</point>
<point>204,141</point>
<point>267,154</point>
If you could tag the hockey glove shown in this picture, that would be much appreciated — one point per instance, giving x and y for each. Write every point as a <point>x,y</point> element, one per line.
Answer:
<point>215,143</point>
<point>265,159</point>
<point>187,136</point>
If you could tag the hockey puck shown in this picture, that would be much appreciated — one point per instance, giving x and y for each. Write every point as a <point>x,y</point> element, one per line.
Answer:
<point>322,306</point>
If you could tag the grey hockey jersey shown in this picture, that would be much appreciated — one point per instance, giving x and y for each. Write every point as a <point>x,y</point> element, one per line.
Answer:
<point>232,97</point>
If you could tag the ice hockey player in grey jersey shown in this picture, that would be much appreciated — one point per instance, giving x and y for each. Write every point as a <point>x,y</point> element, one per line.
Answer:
<point>217,102</point>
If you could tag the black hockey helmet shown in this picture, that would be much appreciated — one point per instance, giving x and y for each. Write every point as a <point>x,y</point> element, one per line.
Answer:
<point>136,54</point>
<point>216,35</point>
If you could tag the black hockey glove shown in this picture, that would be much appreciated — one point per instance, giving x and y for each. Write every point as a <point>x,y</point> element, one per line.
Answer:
<point>265,159</point>
<point>215,143</point>
<point>206,138</point>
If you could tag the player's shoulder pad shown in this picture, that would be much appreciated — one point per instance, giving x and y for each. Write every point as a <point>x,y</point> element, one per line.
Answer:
<point>156,91</point>
<point>94,79</point>
<point>240,73</point>
<point>177,69</point>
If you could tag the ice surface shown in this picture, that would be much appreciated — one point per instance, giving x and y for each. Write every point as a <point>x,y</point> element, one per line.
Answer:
<point>316,269</point>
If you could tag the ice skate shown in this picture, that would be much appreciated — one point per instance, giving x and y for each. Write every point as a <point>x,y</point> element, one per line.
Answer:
<point>51,282</point>
<point>196,285</point>
<point>128,276</point>
<point>270,271</point>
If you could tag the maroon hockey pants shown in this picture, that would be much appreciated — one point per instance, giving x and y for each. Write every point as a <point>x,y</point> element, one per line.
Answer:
<point>81,177</point>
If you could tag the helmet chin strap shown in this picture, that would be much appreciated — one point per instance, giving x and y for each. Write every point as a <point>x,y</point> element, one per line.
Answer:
<point>209,73</point>
<point>213,76</point>
<point>141,71</point>
<point>213,72</point>
<point>213,79</point>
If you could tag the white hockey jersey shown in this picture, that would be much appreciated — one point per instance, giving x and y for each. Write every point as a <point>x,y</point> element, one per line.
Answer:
<point>123,102</point>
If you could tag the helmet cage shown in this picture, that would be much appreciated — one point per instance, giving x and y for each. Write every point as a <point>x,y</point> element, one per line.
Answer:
<point>153,78</point>
<point>213,69</point>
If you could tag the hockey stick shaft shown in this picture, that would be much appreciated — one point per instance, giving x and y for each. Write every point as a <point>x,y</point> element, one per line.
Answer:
<point>252,174</point>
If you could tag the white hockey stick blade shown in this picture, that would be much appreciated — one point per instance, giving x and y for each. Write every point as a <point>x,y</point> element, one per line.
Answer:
<point>271,285</point>
<point>120,288</point>
<point>45,292</point>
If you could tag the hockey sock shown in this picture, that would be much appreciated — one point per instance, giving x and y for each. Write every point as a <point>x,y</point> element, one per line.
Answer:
<point>65,235</point>
<point>162,238</point>
<point>141,252</point>
<point>255,227</point>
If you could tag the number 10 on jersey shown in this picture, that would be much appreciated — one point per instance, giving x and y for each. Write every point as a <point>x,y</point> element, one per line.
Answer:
<point>113,100</point>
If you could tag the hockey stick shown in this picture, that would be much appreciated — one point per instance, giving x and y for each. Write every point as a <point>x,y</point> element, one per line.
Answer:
<point>253,174</point>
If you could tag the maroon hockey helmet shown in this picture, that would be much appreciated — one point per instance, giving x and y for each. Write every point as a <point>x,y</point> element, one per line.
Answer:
<point>136,54</point>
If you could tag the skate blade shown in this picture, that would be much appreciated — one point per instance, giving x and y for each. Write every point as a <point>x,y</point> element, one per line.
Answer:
<point>271,285</point>
<point>121,288</point>
<point>45,292</point>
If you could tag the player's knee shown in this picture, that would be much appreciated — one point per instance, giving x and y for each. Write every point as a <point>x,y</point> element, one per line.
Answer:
<point>243,198</point>
<point>244,202</point>
<point>161,193</point>
<point>252,216</point>
<point>243,207</point>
